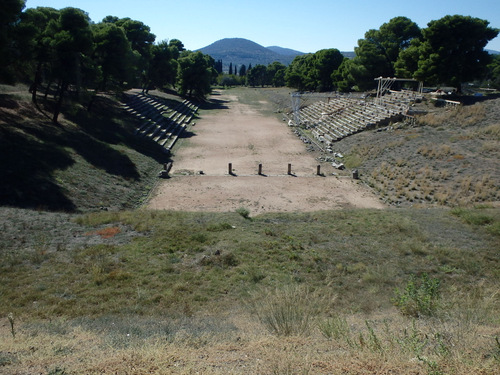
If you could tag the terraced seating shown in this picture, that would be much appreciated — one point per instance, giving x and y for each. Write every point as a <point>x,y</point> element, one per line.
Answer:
<point>340,117</point>
<point>162,123</point>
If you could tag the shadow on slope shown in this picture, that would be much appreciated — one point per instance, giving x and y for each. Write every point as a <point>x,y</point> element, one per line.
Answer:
<point>33,150</point>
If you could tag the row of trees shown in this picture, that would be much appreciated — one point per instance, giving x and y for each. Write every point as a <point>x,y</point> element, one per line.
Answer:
<point>449,51</point>
<point>62,51</point>
<point>237,70</point>
<point>260,75</point>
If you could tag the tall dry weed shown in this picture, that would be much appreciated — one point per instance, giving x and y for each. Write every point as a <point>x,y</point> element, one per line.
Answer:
<point>286,311</point>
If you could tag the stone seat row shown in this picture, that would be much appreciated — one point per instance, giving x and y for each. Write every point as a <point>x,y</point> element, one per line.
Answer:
<point>338,119</point>
<point>161,122</point>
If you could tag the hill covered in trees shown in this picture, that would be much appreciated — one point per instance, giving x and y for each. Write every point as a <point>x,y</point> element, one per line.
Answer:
<point>285,51</point>
<point>240,51</point>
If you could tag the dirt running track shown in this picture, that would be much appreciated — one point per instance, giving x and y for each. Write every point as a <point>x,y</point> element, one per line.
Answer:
<point>240,134</point>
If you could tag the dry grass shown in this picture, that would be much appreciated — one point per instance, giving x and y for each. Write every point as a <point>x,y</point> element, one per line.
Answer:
<point>278,294</point>
<point>490,132</point>
<point>449,159</point>
<point>350,344</point>
<point>434,151</point>
<point>463,116</point>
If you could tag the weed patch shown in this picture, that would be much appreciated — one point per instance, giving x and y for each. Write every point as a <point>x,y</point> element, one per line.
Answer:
<point>483,218</point>
<point>420,297</point>
<point>287,311</point>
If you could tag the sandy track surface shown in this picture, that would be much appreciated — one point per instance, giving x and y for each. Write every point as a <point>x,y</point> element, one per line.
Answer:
<point>239,134</point>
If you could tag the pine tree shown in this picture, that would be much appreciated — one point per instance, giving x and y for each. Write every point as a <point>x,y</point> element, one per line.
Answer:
<point>243,70</point>
<point>218,66</point>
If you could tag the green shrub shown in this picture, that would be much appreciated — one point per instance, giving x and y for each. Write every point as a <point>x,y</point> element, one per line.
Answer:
<point>420,297</point>
<point>244,212</point>
<point>494,229</point>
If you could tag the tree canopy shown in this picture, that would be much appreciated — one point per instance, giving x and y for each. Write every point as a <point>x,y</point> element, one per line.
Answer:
<point>196,72</point>
<point>314,71</point>
<point>67,55</point>
<point>377,53</point>
<point>10,13</point>
<point>64,53</point>
<point>450,51</point>
<point>257,76</point>
<point>493,76</point>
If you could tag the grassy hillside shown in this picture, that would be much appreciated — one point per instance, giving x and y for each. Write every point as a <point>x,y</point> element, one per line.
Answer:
<point>87,161</point>
<point>450,158</point>
<point>401,290</point>
<point>153,292</point>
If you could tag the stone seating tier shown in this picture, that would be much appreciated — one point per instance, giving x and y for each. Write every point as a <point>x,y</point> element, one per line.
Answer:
<point>162,124</point>
<point>341,117</point>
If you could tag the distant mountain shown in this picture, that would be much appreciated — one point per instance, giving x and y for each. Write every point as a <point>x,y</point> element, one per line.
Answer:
<point>239,51</point>
<point>349,54</point>
<point>285,51</point>
<point>492,52</point>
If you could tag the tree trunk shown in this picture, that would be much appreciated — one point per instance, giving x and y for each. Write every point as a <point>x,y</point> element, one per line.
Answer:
<point>59,103</point>
<point>47,89</point>
<point>92,100</point>
<point>101,86</point>
<point>36,82</point>
<point>59,84</point>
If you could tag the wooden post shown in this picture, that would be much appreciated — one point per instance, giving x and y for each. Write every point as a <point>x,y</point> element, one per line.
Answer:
<point>318,170</point>
<point>260,169</point>
<point>289,168</point>
<point>230,168</point>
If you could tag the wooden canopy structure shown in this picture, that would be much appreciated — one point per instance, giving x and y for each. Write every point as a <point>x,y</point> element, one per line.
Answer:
<point>385,84</point>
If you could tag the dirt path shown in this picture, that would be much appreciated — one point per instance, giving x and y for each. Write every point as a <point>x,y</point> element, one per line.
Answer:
<point>239,134</point>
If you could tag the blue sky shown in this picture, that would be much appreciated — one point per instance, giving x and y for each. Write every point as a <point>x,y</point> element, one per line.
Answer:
<point>303,25</point>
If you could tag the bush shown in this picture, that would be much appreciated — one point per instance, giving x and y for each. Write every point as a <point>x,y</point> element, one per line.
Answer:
<point>419,298</point>
<point>244,212</point>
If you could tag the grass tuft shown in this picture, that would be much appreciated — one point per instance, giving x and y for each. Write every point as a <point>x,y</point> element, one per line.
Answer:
<point>286,311</point>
